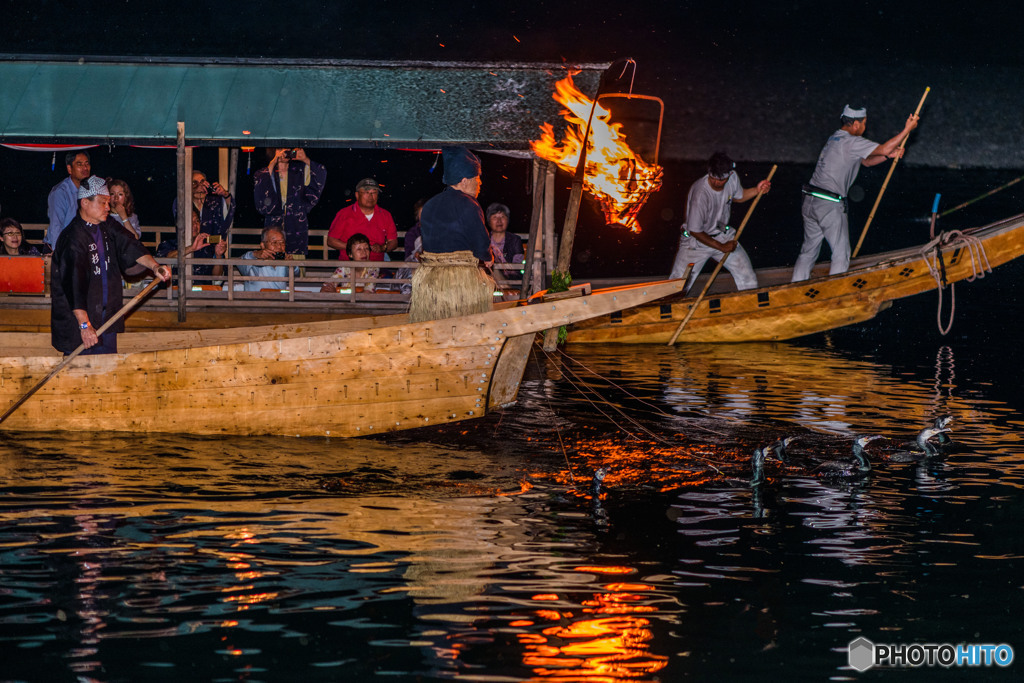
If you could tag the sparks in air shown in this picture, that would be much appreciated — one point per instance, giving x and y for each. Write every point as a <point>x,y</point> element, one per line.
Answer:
<point>614,174</point>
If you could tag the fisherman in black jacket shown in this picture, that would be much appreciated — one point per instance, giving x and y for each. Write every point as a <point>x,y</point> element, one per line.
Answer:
<point>91,257</point>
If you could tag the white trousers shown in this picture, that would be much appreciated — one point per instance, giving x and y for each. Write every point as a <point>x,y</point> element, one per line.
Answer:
<point>738,264</point>
<point>823,220</point>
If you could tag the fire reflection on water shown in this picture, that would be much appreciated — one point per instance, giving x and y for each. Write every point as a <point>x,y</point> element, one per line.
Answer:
<point>607,640</point>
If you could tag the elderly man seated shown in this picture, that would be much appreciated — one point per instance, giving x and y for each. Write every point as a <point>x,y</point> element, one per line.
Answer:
<point>271,248</point>
<point>357,249</point>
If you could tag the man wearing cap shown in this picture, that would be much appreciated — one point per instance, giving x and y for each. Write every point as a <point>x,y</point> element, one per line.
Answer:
<point>707,233</point>
<point>824,206</point>
<point>62,202</point>
<point>286,191</point>
<point>364,216</point>
<point>453,220</point>
<point>91,257</point>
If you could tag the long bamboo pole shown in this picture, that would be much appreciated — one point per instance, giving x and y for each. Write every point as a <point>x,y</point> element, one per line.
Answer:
<point>81,347</point>
<point>718,267</point>
<point>871,216</point>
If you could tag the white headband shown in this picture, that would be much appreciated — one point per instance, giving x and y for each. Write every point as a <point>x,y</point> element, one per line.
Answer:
<point>854,113</point>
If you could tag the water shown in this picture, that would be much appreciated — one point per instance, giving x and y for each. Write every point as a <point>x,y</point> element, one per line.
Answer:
<point>477,551</point>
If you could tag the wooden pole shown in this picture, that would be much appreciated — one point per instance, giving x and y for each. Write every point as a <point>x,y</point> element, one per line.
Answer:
<point>81,347</point>
<point>184,220</point>
<point>572,213</point>
<point>527,286</point>
<point>718,267</point>
<point>871,216</point>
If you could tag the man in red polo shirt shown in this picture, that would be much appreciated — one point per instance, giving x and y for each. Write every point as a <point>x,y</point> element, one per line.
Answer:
<point>364,216</point>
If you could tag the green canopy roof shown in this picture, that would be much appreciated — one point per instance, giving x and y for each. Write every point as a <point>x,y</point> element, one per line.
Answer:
<point>264,103</point>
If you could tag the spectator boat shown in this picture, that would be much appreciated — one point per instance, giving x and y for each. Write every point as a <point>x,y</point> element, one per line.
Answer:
<point>335,378</point>
<point>781,310</point>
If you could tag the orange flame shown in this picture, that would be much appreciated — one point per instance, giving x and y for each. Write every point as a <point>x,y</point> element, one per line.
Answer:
<point>614,174</point>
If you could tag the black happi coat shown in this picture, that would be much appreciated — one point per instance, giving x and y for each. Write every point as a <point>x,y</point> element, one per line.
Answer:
<point>75,282</point>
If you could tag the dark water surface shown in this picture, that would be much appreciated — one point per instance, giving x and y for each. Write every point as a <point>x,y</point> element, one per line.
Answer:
<point>478,551</point>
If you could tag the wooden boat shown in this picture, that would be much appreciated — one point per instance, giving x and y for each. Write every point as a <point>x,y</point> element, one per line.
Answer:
<point>781,310</point>
<point>336,378</point>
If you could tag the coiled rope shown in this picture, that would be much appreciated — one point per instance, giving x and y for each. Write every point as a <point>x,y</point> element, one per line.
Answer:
<point>932,253</point>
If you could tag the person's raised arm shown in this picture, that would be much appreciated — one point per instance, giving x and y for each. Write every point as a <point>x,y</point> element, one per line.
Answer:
<point>891,149</point>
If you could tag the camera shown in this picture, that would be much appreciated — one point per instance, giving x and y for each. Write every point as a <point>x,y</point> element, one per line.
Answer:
<point>279,255</point>
<point>213,239</point>
<point>288,154</point>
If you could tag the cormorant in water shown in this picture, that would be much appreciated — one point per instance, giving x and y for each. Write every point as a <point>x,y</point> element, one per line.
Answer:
<point>777,449</point>
<point>923,447</point>
<point>844,468</point>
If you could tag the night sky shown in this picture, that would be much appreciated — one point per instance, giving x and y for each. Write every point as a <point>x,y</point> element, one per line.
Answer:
<point>656,32</point>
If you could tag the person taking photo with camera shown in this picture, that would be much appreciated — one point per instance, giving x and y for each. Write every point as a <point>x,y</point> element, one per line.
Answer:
<point>286,191</point>
<point>272,248</point>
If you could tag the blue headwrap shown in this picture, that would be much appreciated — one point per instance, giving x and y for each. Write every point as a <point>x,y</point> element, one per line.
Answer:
<point>459,163</point>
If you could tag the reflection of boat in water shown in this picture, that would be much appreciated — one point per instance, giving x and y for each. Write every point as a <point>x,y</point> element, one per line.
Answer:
<point>781,310</point>
<point>815,388</point>
<point>786,383</point>
<point>338,378</point>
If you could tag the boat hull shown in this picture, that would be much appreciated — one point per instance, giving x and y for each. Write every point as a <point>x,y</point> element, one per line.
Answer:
<point>786,311</point>
<point>338,378</point>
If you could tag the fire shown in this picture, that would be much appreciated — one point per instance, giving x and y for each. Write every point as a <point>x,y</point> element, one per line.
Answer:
<point>614,174</point>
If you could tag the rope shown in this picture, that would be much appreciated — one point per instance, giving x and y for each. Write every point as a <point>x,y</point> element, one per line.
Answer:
<point>932,254</point>
<point>658,439</point>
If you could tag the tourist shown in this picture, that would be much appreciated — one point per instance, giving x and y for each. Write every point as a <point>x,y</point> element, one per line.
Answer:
<point>62,203</point>
<point>707,233</point>
<point>357,249</point>
<point>272,247</point>
<point>824,208</point>
<point>364,216</point>
<point>90,260</point>
<point>412,245</point>
<point>200,245</point>
<point>216,211</point>
<point>286,191</point>
<point>122,206</point>
<point>14,243</point>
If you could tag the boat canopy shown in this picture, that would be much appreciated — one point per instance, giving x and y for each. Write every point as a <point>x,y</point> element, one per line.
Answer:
<point>231,103</point>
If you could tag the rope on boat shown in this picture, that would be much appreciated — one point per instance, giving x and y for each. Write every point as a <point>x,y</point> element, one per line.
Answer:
<point>710,463</point>
<point>558,431</point>
<point>932,253</point>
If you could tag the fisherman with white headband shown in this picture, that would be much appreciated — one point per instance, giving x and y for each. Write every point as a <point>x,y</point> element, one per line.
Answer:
<point>824,207</point>
<point>90,259</point>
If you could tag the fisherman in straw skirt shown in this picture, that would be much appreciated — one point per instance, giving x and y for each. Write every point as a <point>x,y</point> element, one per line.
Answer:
<point>451,280</point>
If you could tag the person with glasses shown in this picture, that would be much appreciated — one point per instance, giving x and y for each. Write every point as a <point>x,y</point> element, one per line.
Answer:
<point>707,233</point>
<point>824,206</point>
<point>272,248</point>
<point>14,243</point>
